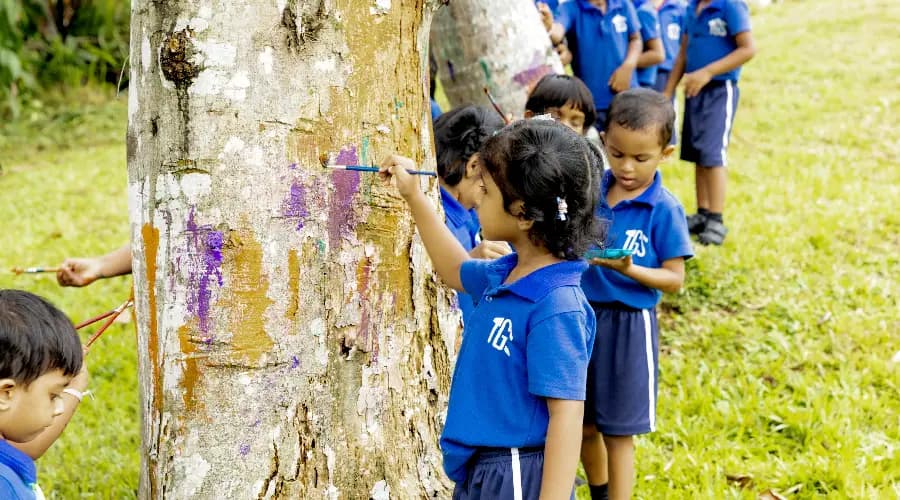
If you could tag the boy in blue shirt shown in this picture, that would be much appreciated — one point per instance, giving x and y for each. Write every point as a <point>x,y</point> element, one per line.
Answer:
<point>40,353</point>
<point>671,15</point>
<point>653,53</point>
<point>715,43</point>
<point>649,221</point>
<point>605,41</point>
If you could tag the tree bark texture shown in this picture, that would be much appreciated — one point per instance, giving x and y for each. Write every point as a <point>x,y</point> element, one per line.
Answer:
<point>499,45</point>
<point>293,341</point>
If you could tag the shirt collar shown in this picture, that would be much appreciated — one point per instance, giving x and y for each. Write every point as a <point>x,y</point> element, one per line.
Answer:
<point>649,197</point>
<point>457,214</point>
<point>538,284</point>
<point>713,5</point>
<point>19,462</point>
<point>611,5</point>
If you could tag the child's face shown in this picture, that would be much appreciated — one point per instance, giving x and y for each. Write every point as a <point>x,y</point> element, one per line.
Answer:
<point>26,411</point>
<point>634,155</point>
<point>496,223</point>
<point>568,115</point>
<point>471,187</point>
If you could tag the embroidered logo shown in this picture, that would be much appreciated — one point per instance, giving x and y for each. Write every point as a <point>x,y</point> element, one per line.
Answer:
<point>718,27</point>
<point>501,335</point>
<point>619,23</point>
<point>636,241</point>
<point>673,31</point>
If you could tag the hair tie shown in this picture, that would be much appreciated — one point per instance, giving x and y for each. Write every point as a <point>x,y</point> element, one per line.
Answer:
<point>561,209</point>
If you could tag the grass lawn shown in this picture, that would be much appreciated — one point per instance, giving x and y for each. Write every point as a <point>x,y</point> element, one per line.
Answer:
<point>776,361</point>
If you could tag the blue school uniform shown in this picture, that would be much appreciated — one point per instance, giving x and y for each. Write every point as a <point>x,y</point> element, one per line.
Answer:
<point>623,372</point>
<point>464,226</point>
<point>18,475</point>
<point>436,111</point>
<point>525,341</point>
<point>553,4</point>
<point>599,43</point>
<point>671,18</point>
<point>709,115</point>
<point>649,20</point>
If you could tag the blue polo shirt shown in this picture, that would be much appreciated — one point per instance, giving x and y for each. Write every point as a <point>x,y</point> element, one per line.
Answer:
<point>598,42</point>
<point>526,341</point>
<point>654,227</point>
<point>464,226</point>
<point>553,4</point>
<point>671,17</point>
<point>18,476</point>
<point>711,35</point>
<point>649,20</point>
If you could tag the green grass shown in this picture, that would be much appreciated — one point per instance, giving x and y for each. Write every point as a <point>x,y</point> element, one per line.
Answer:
<point>776,358</point>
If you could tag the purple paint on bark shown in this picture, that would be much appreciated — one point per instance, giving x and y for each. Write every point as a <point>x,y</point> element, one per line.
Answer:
<point>346,185</point>
<point>244,449</point>
<point>294,206</point>
<point>531,75</point>
<point>204,259</point>
<point>295,362</point>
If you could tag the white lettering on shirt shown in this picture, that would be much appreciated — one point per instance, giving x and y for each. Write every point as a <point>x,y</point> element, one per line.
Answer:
<point>501,334</point>
<point>619,23</point>
<point>718,27</point>
<point>635,241</point>
<point>673,31</point>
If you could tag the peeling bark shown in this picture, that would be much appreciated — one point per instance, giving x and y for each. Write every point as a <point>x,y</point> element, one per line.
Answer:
<point>293,341</point>
<point>499,45</point>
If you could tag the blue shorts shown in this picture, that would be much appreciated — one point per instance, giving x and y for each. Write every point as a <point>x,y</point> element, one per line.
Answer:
<point>708,117</point>
<point>623,372</point>
<point>503,473</point>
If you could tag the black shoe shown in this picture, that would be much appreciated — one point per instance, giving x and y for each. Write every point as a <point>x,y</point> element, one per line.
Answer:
<point>713,233</point>
<point>696,223</point>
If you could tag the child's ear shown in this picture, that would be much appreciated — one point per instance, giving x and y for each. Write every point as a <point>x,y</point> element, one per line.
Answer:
<point>529,114</point>
<point>473,168</point>
<point>518,210</point>
<point>7,386</point>
<point>667,151</point>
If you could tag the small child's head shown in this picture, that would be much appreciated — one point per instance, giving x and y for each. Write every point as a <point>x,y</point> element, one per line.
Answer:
<point>566,98</point>
<point>638,129</point>
<point>458,135</point>
<point>542,178</point>
<point>39,354</point>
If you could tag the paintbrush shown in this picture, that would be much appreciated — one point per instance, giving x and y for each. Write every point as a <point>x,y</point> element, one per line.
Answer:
<point>495,105</point>
<point>34,270</point>
<point>329,163</point>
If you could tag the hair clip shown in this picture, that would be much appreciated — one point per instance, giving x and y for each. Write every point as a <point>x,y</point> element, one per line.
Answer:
<point>545,116</point>
<point>561,208</point>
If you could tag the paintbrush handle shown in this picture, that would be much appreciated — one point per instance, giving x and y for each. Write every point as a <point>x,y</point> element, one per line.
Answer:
<point>34,270</point>
<point>363,168</point>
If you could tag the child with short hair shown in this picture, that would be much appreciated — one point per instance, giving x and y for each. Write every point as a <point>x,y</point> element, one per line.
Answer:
<point>458,135</point>
<point>516,400</point>
<point>40,354</point>
<point>566,99</point>
<point>653,51</point>
<point>715,43</point>
<point>649,221</point>
<point>605,41</point>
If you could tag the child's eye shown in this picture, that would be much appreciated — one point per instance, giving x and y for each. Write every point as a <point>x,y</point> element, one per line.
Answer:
<point>642,158</point>
<point>616,154</point>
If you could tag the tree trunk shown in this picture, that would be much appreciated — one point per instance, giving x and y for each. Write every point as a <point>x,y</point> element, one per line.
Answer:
<point>487,43</point>
<point>293,342</point>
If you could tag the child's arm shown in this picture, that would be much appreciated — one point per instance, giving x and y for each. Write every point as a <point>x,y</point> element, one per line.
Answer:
<point>746,49</point>
<point>654,54</point>
<point>446,253</point>
<point>677,69</point>
<point>39,445</point>
<point>621,77</point>
<point>562,448</point>
<point>668,278</point>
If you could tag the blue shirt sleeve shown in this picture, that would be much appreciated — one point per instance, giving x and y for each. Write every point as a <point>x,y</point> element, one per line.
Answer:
<point>558,351</point>
<point>566,15</point>
<point>631,17</point>
<point>649,24</point>
<point>737,17</point>
<point>670,234</point>
<point>473,275</point>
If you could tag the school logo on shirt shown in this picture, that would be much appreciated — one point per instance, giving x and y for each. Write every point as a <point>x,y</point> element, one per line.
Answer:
<point>635,241</point>
<point>619,23</point>
<point>501,335</point>
<point>673,31</point>
<point>718,27</point>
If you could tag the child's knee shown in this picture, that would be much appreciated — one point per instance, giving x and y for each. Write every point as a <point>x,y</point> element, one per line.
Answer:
<point>589,433</point>
<point>619,442</point>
